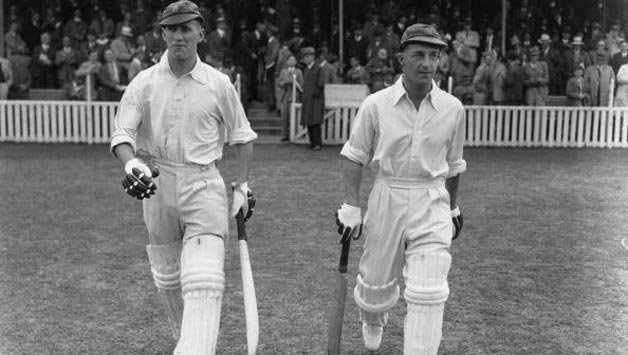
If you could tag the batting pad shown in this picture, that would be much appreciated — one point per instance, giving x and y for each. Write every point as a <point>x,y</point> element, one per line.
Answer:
<point>426,292</point>
<point>375,301</point>
<point>203,283</point>
<point>166,268</point>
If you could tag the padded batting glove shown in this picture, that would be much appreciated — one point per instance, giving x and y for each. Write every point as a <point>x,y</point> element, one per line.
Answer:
<point>456,217</point>
<point>349,222</point>
<point>138,181</point>
<point>243,199</point>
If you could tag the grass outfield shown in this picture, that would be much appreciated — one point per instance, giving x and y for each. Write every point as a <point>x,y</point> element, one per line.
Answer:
<point>540,267</point>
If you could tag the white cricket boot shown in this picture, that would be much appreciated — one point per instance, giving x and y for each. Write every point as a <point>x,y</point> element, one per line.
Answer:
<point>372,334</point>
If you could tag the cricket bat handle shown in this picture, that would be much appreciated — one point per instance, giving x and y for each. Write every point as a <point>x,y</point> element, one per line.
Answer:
<point>248,289</point>
<point>334,332</point>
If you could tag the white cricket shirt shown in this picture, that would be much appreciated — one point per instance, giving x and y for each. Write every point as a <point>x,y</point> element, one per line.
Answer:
<point>183,119</point>
<point>397,140</point>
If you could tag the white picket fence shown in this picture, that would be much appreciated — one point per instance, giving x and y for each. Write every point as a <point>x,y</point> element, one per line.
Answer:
<point>509,126</point>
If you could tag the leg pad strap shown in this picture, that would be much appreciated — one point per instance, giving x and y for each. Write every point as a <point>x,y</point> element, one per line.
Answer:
<point>375,299</point>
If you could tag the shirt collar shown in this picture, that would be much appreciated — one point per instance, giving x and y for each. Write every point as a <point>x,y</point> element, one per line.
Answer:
<point>196,73</point>
<point>399,91</point>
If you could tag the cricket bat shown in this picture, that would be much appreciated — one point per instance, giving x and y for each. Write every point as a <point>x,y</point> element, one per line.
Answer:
<point>248,289</point>
<point>337,311</point>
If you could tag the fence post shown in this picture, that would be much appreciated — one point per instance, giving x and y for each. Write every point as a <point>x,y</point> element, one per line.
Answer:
<point>450,84</point>
<point>611,92</point>
<point>238,85</point>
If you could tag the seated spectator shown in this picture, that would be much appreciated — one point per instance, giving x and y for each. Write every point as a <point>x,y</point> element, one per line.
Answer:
<point>577,56</point>
<point>482,80</point>
<point>391,40</point>
<point>122,47</point>
<point>357,45</point>
<point>13,42</point>
<point>285,81</point>
<point>621,97</point>
<point>32,30</point>
<point>53,26</point>
<point>620,58</point>
<point>127,21</point>
<point>89,45</point>
<point>536,79</point>
<point>576,92</point>
<point>42,65</point>
<point>613,40</point>
<point>6,76</point>
<point>112,77</point>
<point>381,70</point>
<point>76,29</point>
<point>373,48</point>
<point>513,81</point>
<point>357,74</point>
<point>102,26</point>
<point>91,67</point>
<point>20,87</point>
<point>597,79</point>
<point>155,44</point>
<point>67,60</point>
<point>136,65</point>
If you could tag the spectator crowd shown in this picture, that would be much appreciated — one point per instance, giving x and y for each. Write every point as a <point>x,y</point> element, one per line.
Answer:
<point>552,49</point>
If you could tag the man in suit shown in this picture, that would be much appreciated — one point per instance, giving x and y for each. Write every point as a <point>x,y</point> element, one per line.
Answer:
<point>43,66</point>
<point>620,58</point>
<point>67,60</point>
<point>257,45</point>
<point>554,60</point>
<point>122,47</point>
<point>356,46</point>
<point>313,105</point>
<point>536,79</point>
<point>490,42</point>
<point>270,66</point>
<point>597,78</point>
<point>112,77</point>
<point>219,40</point>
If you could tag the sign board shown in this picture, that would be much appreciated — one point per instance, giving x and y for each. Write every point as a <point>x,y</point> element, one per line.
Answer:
<point>345,94</point>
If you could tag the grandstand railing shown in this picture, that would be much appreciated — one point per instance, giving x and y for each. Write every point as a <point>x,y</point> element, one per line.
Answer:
<point>503,126</point>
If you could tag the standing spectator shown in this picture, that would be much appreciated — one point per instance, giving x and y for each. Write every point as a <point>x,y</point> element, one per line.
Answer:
<point>381,70</point>
<point>219,40</point>
<point>6,76</point>
<point>53,25</point>
<point>577,56</point>
<point>270,66</point>
<point>257,45</point>
<point>13,42</point>
<point>400,26</point>
<point>91,67</point>
<point>517,49</point>
<point>470,38</point>
<point>282,58</point>
<point>89,45</point>
<point>444,69</point>
<point>490,41</point>
<point>357,74</point>
<point>237,70</point>
<point>373,48</point>
<point>498,75</point>
<point>482,80</point>
<point>67,60</point>
<point>462,71</point>
<point>536,79</point>
<point>127,21</point>
<point>312,108</point>
<point>371,27</point>
<point>620,58</point>
<point>329,72</point>
<point>597,78</point>
<point>621,97</point>
<point>513,81</point>
<point>576,92</point>
<point>42,65</point>
<point>102,25</point>
<point>613,40</point>
<point>596,36</point>
<point>112,77</point>
<point>76,29</point>
<point>317,36</point>
<point>155,44</point>
<point>32,31</point>
<point>285,81</point>
<point>295,40</point>
<point>141,17</point>
<point>599,48</point>
<point>135,66</point>
<point>391,40</point>
<point>20,87</point>
<point>554,61</point>
<point>357,45</point>
<point>122,47</point>
<point>564,44</point>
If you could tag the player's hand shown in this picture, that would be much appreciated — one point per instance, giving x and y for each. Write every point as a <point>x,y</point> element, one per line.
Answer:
<point>138,181</point>
<point>456,217</point>
<point>243,199</point>
<point>349,221</point>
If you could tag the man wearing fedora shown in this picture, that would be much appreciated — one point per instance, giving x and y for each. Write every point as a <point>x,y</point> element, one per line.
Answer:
<point>122,47</point>
<point>177,115</point>
<point>597,78</point>
<point>313,104</point>
<point>536,79</point>
<point>554,60</point>
<point>576,56</point>
<point>411,135</point>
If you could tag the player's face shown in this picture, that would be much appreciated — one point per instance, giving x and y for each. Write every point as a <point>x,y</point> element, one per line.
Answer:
<point>419,63</point>
<point>183,39</point>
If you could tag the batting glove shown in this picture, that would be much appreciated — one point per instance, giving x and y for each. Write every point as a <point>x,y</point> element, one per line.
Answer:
<point>138,181</point>
<point>456,217</point>
<point>349,221</point>
<point>243,199</point>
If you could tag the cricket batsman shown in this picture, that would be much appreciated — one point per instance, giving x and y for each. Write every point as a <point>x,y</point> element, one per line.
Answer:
<point>411,135</point>
<point>173,115</point>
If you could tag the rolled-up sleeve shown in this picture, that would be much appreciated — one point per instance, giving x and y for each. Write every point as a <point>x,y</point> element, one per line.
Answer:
<point>360,144</point>
<point>239,129</point>
<point>455,161</point>
<point>128,118</point>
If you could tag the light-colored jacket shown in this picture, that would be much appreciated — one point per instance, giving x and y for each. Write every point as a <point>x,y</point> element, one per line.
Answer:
<point>621,96</point>
<point>598,82</point>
